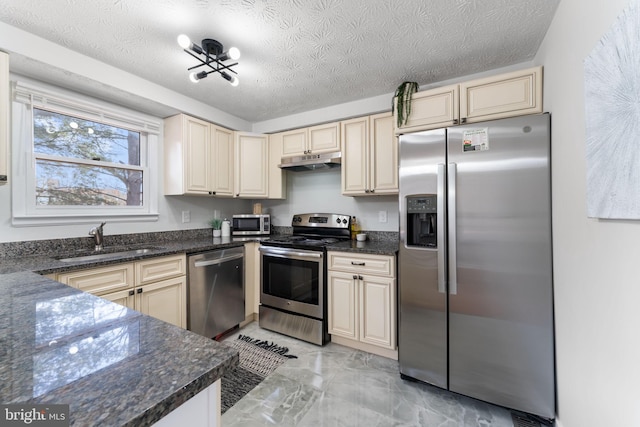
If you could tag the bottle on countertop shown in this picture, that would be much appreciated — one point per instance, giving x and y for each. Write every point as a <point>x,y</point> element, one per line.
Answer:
<point>354,228</point>
<point>226,228</point>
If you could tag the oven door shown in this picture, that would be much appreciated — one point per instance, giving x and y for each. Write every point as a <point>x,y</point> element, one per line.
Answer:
<point>292,280</point>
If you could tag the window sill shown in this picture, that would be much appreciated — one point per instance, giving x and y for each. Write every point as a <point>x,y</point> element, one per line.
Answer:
<point>43,220</point>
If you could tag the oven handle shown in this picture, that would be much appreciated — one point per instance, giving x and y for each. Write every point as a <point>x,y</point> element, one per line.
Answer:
<point>284,253</point>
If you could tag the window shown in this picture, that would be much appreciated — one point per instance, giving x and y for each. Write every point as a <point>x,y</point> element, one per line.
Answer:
<point>82,161</point>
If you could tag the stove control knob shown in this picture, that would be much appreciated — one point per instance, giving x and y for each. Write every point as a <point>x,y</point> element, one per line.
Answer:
<point>344,220</point>
<point>338,221</point>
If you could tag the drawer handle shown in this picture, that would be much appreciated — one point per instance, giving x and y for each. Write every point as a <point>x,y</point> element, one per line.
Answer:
<point>357,263</point>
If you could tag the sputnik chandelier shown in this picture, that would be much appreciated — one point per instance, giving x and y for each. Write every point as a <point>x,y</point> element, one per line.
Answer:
<point>212,56</point>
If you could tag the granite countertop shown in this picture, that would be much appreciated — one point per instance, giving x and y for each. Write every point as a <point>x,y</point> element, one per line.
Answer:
<point>45,264</point>
<point>378,247</point>
<point>112,365</point>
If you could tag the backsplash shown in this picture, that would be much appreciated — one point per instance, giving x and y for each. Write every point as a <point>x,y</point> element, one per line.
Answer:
<point>378,236</point>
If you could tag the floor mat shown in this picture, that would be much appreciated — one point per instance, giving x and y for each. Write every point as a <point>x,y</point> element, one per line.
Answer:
<point>258,359</point>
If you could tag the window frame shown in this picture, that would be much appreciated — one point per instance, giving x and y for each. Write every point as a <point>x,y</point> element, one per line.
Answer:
<point>25,212</point>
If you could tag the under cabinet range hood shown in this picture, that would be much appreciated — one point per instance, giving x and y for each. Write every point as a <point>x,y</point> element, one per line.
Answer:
<point>309,162</point>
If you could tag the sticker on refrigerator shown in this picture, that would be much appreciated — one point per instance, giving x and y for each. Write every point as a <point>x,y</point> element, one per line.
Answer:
<point>475,140</point>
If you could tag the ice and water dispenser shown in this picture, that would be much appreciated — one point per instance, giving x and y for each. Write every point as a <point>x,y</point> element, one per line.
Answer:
<point>422,220</point>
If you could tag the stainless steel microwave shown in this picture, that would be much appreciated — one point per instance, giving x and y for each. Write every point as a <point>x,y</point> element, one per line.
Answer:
<point>251,224</point>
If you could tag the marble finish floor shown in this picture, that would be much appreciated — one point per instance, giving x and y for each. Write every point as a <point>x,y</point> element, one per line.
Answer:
<point>335,385</point>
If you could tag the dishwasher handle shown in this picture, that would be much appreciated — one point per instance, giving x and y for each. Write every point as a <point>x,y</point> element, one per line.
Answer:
<point>204,263</point>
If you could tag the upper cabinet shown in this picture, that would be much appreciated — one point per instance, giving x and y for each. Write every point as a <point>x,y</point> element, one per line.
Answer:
<point>312,140</point>
<point>506,95</point>
<point>432,109</point>
<point>221,159</point>
<point>4,117</point>
<point>369,156</point>
<point>252,164</point>
<point>188,156</point>
<point>205,159</point>
<point>277,177</point>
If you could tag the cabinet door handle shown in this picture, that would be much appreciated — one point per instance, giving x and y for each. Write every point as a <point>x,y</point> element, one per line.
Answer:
<point>357,263</point>
<point>355,277</point>
<point>131,293</point>
<point>139,290</point>
<point>372,190</point>
<point>359,277</point>
<point>463,120</point>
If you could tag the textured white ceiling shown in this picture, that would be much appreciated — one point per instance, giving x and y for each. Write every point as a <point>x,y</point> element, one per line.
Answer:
<point>297,55</point>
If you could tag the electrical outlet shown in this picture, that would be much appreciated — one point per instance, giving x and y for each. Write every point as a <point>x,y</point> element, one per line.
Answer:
<point>382,216</point>
<point>186,216</point>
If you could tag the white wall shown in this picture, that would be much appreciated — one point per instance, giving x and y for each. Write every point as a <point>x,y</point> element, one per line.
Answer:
<point>597,285</point>
<point>319,191</point>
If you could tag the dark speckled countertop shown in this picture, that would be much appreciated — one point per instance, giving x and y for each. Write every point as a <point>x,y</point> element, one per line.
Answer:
<point>112,365</point>
<point>378,247</point>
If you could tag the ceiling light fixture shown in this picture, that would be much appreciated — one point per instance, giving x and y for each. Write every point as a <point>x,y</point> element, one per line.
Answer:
<point>210,55</point>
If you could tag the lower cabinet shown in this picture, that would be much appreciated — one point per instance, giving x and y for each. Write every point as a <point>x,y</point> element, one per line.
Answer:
<point>362,302</point>
<point>155,286</point>
<point>251,281</point>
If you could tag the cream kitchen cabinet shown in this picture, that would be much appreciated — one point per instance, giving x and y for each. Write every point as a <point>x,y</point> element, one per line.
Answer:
<point>221,159</point>
<point>252,165</point>
<point>362,302</point>
<point>208,160</point>
<point>4,117</point>
<point>198,157</point>
<point>506,95</point>
<point>277,177</point>
<point>252,281</point>
<point>369,156</point>
<point>154,286</point>
<point>318,139</point>
<point>431,109</point>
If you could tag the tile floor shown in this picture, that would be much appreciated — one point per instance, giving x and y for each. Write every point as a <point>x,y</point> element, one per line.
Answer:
<point>334,385</point>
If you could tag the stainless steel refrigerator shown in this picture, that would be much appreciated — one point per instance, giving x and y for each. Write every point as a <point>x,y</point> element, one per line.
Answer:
<point>475,262</point>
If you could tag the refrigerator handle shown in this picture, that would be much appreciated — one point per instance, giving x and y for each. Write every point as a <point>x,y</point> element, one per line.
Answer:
<point>441,231</point>
<point>451,206</point>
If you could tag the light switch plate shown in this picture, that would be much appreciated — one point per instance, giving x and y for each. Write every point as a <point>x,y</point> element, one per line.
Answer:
<point>382,216</point>
<point>186,216</point>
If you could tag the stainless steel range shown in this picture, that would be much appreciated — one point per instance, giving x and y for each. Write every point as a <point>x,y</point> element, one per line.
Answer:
<point>293,270</point>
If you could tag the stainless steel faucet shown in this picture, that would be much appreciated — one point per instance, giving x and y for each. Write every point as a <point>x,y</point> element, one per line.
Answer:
<point>98,235</point>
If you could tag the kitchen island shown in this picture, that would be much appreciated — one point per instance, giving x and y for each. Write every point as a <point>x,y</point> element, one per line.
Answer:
<point>112,365</point>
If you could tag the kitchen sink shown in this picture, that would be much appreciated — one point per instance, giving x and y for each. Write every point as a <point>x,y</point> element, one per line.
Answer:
<point>107,254</point>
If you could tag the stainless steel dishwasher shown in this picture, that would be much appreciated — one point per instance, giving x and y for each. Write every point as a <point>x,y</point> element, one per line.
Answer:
<point>215,291</point>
